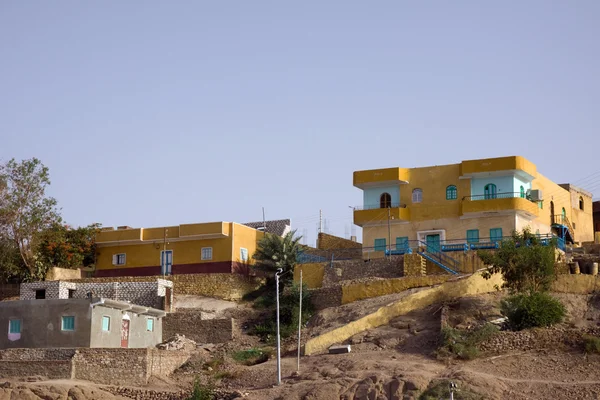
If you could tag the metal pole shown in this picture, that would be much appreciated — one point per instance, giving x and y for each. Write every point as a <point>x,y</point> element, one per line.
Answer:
<point>452,387</point>
<point>279,271</point>
<point>164,255</point>
<point>389,234</point>
<point>264,223</point>
<point>320,221</point>
<point>299,322</point>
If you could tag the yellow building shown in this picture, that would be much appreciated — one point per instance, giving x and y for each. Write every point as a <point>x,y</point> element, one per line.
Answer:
<point>222,247</point>
<point>475,202</point>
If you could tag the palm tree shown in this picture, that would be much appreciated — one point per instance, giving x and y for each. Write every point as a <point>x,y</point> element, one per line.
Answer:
<point>276,252</point>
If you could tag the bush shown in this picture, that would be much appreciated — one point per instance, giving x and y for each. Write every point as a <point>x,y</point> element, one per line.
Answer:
<point>464,343</point>
<point>532,310</point>
<point>252,356</point>
<point>591,344</point>
<point>441,390</point>
<point>202,392</point>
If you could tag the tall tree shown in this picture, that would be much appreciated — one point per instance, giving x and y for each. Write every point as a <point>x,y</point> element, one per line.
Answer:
<point>25,210</point>
<point>276,252</point>
<point>66,247</point>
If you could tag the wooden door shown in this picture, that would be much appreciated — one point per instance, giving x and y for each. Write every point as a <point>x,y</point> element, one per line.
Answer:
<point>125,333</point>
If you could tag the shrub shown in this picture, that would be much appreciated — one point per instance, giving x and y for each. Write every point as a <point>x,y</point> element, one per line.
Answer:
<point>464,343</point>
<point>202,392</point>
<point>252,356</point>
<point>591,344</point>
<point>532,310</point>
<point>441,390</point>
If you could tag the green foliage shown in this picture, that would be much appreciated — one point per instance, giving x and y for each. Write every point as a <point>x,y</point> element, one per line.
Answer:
<point>12,265</point>
<point>252,356</point>
<point>441,390</point>
<point>26,211</point>
<point>202,392</point>
<point>464,343</point>
<point>525,264</point>
<point>64,247</point>
<point>532,310</point>
<point>276,252</point>
<point>591,344</point>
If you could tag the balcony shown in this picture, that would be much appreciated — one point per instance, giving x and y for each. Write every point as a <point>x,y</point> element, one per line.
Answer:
<point>380,177</point>
<point>517,165</point>
<point>495,203</point>
<point>366,215</point>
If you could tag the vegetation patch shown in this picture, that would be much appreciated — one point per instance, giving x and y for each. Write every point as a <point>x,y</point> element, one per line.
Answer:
<point>591,344</point>
<point>532,310</point>
<point>441,390</point>
<point>202,392</point>
<point>252,356</point>
<point>462,343</point>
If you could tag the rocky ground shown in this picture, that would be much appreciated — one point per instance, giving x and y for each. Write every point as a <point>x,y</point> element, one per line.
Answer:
<point>393,362</point>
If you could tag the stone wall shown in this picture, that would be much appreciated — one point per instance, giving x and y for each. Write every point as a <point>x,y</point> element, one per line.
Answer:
<point>36,354</point>
<point>61,274</point>
<point>49,369</point>
<point>357,269</point>
<point>326,297</point>
<point>414,265</point>
<point>111,366</point>
<point>192,326</point>
<point>354,291</point>
<point>163,363</point>
<point>225,286</point>
<point>330,242</point>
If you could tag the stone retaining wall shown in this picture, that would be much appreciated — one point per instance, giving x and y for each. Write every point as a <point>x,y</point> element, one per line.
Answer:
<point>49,369</point>
<point>193,326</point>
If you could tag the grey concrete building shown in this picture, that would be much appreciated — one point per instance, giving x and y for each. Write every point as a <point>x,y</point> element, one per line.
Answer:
<point>156,294</point>
<point>93,322</point>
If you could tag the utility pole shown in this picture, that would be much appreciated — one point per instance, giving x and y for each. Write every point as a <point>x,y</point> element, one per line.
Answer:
<point>279,271</point>
<point>389,233</point>
<point>299,321</point>
<point>164,255</point>
<point>320,221</point>
<point>264,223</point>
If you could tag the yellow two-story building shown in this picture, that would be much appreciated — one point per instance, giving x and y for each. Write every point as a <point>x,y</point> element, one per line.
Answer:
<point>471,202</point>
<point>218,247</point>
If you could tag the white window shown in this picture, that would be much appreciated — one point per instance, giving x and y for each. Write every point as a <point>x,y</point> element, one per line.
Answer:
<point>417,196</point>
<point>243,254</point>
<point>207,253</point>
<point>118,259</point>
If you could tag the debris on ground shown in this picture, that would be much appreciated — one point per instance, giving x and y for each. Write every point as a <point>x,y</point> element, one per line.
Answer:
<point>177,342</point>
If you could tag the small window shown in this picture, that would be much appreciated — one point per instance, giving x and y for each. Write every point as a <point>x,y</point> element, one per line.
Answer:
<point>385,200</point>
<point>207,253</point>
<point>574,225</point>
<point>451,192</point>
<point>14,326</point>
<point>71,293</point>
<point>417,196</point>
<point>106,324</point>
<point>522,192</point>
<point>68,323</point>
<point>402,243</point>
<point>150,325</point>
<point>473,236</point>
<point>380,244</point>
<point>244,254</point>
<point>581,203</point>
<point>541,205</point>
<point>496,234</point>
<point>40,294</point>
<point>119,259</point>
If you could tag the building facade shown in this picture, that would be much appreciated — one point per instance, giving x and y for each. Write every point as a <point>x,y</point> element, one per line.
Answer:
<point>94,322</point>
<point>596,210</point>
<point>217,247</point>
<point>475,201</point>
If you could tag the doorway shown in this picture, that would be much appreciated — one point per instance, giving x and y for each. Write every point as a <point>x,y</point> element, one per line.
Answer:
<point>125,332</point>
<point>433,242</point>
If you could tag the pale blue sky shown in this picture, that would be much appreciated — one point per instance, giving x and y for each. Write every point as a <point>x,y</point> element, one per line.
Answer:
<point>153,113</point>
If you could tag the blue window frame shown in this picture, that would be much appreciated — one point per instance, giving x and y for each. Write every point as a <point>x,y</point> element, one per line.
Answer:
<point>68,323</point>
<point>380,244</point>
<point>14,326</point>
<point>402,243</point>
<point>451,192</point>
<point>473,236</point>
<point>496,234</point>
<point>150,324</point>
<point>489,191</point>
<point>106,324</point>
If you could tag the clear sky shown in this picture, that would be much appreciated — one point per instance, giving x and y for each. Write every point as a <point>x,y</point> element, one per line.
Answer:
<point>155,113</point>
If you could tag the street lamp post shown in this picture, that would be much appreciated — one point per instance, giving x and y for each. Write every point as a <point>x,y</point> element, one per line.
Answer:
<point>279,271</point>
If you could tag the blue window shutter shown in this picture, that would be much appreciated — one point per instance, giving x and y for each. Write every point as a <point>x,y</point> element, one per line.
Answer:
<point>14,326</point>
<point>496,234</point>
<point>402,243</point>
<point>380,244</point>
<point>473,236</point>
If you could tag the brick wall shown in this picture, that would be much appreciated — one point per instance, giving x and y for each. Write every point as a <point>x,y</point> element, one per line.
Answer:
<point>199,330</point>
<point>330,242</point>
<point>225,286</point>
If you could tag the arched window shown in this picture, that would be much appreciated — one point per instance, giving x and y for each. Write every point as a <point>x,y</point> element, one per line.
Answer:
<point>451,193</point>
<point>580,203</point>
<point>522,192</point>
<point>489,191</point>
<point>417,195</point>
<point>385,201</point>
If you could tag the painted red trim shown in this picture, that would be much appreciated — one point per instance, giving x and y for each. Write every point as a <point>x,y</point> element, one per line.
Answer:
<point>133,271</point>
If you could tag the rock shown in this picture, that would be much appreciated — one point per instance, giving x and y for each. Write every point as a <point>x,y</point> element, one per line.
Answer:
<point>177,342</point>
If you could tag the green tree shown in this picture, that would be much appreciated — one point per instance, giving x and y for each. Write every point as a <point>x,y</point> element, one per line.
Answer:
<point>64,247</point>
<point>25,210</point>
<point>276,252</point>
<point>526,265</point>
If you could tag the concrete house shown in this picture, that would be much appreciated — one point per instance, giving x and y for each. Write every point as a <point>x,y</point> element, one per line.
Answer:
<point>92,322</point>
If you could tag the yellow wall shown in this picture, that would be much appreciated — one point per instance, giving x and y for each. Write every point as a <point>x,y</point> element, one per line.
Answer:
<point>312,274</point>
<point>583,219</point>
<point>245,237</point>
<point>498,164</point>
<point>358,291</point>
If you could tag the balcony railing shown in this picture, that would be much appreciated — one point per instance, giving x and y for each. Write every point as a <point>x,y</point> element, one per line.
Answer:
<point>490,196</point>
<point>376,206</point>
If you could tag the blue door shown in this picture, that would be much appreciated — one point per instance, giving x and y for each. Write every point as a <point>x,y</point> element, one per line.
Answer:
<point>489,191</point>
<point>166,262</point>
<point>433,243</point>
